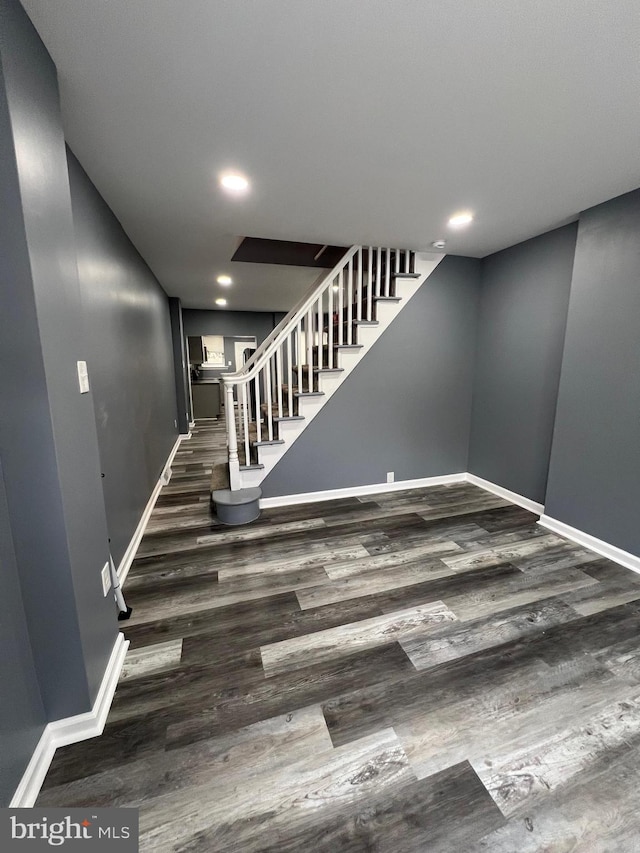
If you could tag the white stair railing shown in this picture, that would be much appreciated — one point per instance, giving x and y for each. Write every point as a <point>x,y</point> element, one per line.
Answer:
<point>266,390</point>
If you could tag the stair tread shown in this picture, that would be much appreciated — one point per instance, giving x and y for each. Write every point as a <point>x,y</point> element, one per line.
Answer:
<point>405,275</point>
<point>226,497</point>
<point>308,393</point>
<point>267,443</point>
<point>366,322</point>
<point>349,346</point>
<point>387,299</point>
<point>253,467</point>
<point>328,369</point>
<point>290,418</point>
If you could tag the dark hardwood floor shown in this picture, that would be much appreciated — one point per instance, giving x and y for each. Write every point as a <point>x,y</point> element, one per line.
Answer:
<point>426,670</point>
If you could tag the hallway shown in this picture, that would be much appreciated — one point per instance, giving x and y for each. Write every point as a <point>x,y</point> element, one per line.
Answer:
<point>424,670</point>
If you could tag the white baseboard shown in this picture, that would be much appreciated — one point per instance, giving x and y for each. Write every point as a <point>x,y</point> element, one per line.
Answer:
<point>423,483</point>
<point>513,497</point>
<point>611,552</point>
<point>70,730</point>
<point>357,491</point>
<point>132,547</point>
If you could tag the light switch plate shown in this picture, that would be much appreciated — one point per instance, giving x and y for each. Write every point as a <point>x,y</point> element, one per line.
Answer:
<point>390,477</point>
<point>106,579</point>
<point>83,377</point>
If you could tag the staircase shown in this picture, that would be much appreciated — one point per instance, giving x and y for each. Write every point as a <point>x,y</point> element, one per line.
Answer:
<point>290,377</point>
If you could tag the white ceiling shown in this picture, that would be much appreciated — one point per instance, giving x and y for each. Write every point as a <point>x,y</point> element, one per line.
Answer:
<point>357,121</point>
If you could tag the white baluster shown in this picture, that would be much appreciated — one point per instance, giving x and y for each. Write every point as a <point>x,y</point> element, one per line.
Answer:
<point>279,379</point>
<point>369,283</point>
<point>289,376</point>
<point>232,439</point>
<point>387,274</point>
<point>331,300</point>
<point>238,415</point>
<point>341,307</point>
<point>309,334</point>
<point>245,418</point>
<point>350,302</point>
<point>268,397</point>
<point>299,357</point>
<point>359,289</point>
<point>320,325</point>
<point>256,388</point>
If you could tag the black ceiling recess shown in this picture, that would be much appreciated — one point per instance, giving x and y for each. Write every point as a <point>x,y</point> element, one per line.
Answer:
<point>255,250</point>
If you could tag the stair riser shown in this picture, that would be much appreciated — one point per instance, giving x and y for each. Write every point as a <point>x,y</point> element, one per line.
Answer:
<point>328,383</point>
<point>347,359</point>
<point>269,453</point>
<point>367,335</point>
<point>386,311</point>
<point>309,406</point>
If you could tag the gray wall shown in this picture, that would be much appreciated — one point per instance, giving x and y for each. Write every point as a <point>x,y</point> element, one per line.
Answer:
<point>125,315</point>
<point>48,438</point>
<point>594,476</point>
<point>406,407</point>
<point>22,715</point>
<point>180,365</point>
<point>523,311</point>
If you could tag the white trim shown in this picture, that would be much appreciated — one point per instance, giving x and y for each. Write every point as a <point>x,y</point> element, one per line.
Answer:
<point>70,730</point>
<point>611,552</point>
<point>132,547</point>
<point>422,483</point>
<point>513,497</point>
<point>356,491</point>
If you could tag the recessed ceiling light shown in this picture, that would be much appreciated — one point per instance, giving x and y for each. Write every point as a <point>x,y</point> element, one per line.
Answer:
<point>225,280</point>
<point>439,244</point>
<point>234,182</point>
<point>221,301</point>
<point>462,218</point>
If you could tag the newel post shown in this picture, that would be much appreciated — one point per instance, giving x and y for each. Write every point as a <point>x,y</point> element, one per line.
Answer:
<point>232,437</point>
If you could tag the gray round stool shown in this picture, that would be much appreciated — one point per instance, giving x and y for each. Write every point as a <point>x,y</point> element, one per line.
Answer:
<point>239,507</point>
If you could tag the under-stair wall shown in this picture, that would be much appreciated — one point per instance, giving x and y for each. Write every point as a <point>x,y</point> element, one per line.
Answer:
<point>406,406</point>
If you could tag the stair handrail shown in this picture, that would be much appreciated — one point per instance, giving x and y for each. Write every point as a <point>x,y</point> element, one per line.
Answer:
<point>266,349</point>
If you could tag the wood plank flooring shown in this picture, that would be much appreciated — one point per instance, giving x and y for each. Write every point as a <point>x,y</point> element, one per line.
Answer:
<point>425,670</point>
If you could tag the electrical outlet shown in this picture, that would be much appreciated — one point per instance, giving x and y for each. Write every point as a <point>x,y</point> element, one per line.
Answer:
<point>106,579</point>
<point>390,477</point>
